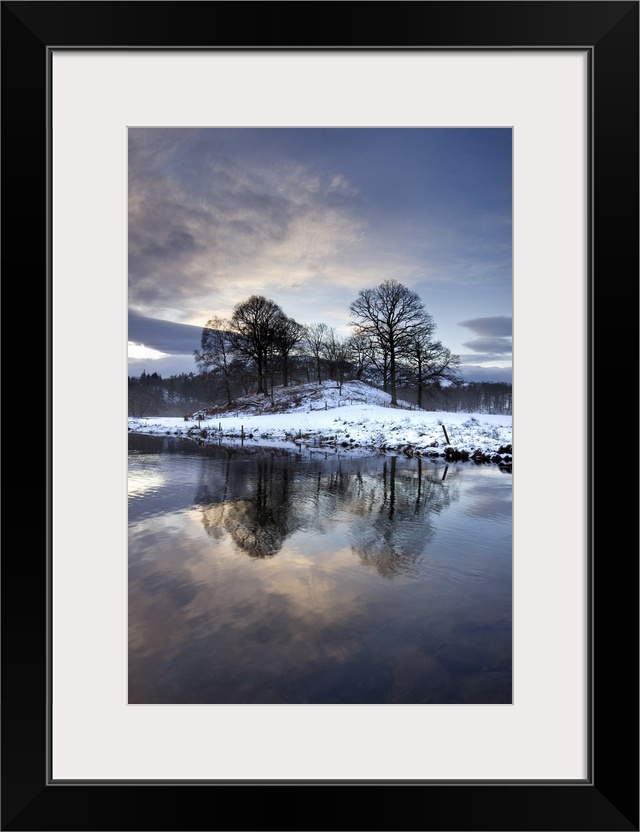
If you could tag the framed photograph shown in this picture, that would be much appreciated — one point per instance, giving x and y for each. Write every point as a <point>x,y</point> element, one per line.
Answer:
<point>95,97</point>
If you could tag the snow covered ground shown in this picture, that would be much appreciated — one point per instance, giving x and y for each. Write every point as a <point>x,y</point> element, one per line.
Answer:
<point>358,418</point>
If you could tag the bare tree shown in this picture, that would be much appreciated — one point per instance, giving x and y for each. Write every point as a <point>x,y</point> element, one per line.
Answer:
<point>336,353</point>
<point>390,316</point>
<point>254,323</point>
<point>431,364</point>
<point>360,352</point>
<point>216,355</point>
<point>315,336</point>
<point>341,357</point>
<point>287,335</point>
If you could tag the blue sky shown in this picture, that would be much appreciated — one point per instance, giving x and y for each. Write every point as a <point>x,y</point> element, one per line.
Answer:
<point>308,218</point>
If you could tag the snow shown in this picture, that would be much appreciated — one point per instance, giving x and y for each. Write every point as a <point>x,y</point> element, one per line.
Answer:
<point>358,418</point>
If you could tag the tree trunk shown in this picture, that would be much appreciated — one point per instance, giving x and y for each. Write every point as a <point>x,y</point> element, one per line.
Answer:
<point>392,377</point>
<point>260,368</point>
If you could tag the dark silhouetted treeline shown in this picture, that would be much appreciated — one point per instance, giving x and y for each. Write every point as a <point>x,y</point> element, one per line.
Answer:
<point>178,395</point>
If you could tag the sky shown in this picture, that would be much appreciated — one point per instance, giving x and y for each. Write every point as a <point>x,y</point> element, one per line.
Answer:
<point>308,218</point>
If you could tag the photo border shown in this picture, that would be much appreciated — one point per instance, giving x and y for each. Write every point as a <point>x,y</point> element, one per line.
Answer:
<point>608,800</point>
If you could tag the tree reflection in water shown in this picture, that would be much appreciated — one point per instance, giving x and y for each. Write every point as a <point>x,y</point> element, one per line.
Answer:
<point>260,526</point>
<point>272,496</point>
<point>403,522</point>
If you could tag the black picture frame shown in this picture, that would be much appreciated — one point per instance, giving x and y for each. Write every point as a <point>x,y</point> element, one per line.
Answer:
<point>608,798</point>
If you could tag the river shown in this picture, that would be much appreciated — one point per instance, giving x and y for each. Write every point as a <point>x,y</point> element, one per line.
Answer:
<point>279,576</point>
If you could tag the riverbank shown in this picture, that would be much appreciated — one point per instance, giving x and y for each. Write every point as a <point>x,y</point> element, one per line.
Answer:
<point>357,418</point>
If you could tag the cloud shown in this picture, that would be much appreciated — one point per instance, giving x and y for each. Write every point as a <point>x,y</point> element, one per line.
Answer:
<point>498,326</point>
<point>485,359</point>
<point>164,336</point>
<point>499,346</point>
<point>243,230</point>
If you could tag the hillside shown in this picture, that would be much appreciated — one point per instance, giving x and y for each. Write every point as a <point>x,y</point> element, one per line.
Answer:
<point>357,418</point>
<point>305,398</point>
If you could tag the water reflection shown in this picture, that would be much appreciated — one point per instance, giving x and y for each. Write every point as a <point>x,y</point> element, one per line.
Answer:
<point>268,577</point>
<point>264,500</point>
<point>257,523</point>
